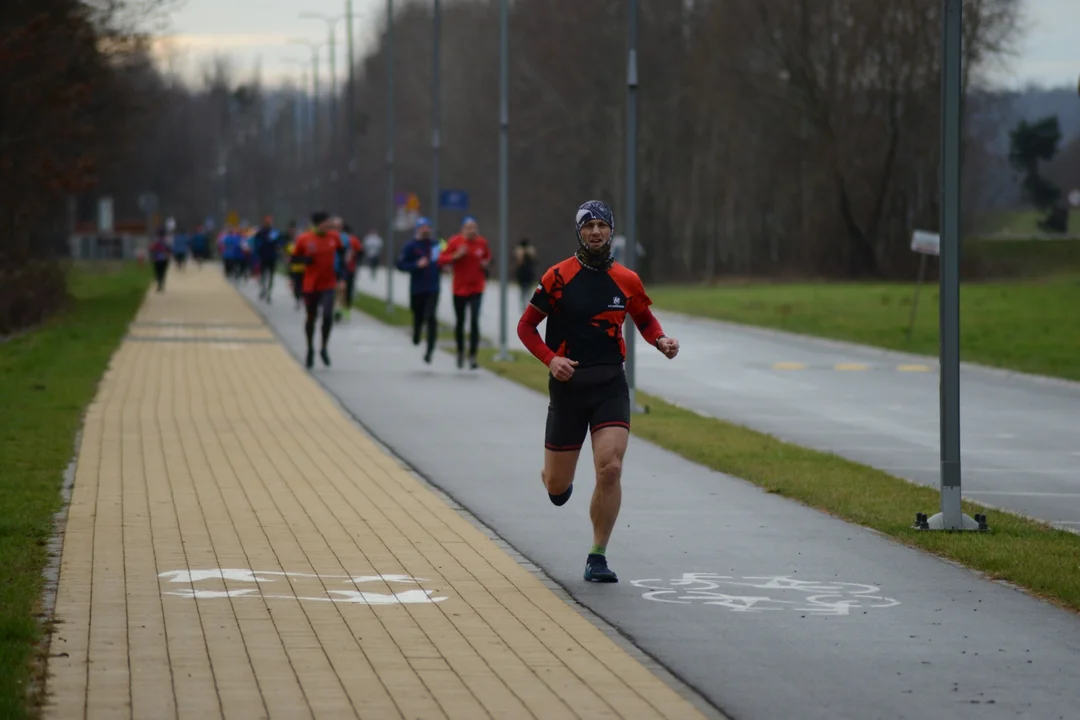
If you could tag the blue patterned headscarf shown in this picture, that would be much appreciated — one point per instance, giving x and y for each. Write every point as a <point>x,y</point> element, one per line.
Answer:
<point>595,259</point>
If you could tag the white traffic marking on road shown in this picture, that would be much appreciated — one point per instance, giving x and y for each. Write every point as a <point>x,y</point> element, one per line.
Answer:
<point>784,593</point>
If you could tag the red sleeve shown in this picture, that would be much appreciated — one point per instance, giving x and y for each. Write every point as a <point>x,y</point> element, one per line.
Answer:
<point>647,325</point>
<point>638,308</point>
<point>530,336</point>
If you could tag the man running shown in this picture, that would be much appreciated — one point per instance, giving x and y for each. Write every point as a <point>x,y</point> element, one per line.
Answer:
<point>267,246</point>
<point>232,252</point>
<point>585,299</point>
<point>200,245</point>
<point>159,252</point>
<point>180,249</point>
<point>525,259</point>
<point>420,258</point>
<point>372,250</point>
<point>297,267</point>
<point>354,251</point>
<point>319,249</point>
<point>469,255</point>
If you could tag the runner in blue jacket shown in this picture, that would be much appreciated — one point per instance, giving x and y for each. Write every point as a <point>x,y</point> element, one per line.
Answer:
<point>420,258</point>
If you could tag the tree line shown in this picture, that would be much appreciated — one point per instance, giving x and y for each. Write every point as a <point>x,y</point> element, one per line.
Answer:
<point>76,81</point>
<point>776,137</point>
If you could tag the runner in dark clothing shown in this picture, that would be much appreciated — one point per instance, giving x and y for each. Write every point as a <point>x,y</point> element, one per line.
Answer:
<point>354,253</point>
<point>420,258</point>
<point>160,252</point>
<point>267,247</point>
<point>585,299</point>
<point>525,257</point>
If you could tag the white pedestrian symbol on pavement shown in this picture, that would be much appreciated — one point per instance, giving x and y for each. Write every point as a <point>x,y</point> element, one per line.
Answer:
<point>314,588</point>
<point>810,597</point>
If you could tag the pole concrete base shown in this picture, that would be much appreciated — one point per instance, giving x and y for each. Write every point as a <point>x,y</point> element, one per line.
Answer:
<point>937,522</point>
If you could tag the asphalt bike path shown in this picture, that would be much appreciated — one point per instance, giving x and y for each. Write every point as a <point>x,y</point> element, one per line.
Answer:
<point>1020,433</point>
<point>768,608</point>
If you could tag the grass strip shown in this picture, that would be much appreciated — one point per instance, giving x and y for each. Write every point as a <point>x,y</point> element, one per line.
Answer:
<point>1026,552</point>
<point>49,376</point>
<point>1026,325</point>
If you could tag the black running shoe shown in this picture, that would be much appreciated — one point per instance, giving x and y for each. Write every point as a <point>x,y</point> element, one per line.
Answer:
<point>310,359</point>
<point>460,361</point>
<point>473,363</point>
<point>427,357</point>
<point>596,570</point>
<point>325,357</point>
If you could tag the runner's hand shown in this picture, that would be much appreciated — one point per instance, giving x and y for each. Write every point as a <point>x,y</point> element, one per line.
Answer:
<point>669,346</point>
<point>422,262</point>
<point>562,368</point>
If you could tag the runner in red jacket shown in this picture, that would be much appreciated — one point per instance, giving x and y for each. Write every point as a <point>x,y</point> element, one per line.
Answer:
<point>320,250</point>
<point>468,253</point>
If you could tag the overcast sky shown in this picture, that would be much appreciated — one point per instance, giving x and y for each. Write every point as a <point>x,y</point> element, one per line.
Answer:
<point>257,31</point>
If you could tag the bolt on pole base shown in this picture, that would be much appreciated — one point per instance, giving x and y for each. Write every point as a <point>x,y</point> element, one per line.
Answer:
<point>937,522</point>
<point>505,356</point>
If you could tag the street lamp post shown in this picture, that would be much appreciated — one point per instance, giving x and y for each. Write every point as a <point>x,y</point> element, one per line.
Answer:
<point>630,200</point>
<point>390,155</point>
<point>350,112</point>
<point>331,23</point>
<point>314,47</point>
<point>436,115</point>
<point>951,515</point>
<point>504,175</point>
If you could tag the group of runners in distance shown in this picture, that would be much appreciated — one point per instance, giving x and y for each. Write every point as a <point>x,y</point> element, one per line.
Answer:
<point>584,298</point>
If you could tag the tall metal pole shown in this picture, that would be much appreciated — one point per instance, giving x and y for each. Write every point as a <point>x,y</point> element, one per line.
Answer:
<point>436,116</point>
<point>350,113</point>
<point>300,101</point>
<point>333,91</point>
<point>630,200</point>
<point>316,115</point>
<point>950,269</point>
<point>951,516</point>
<point>390,155</point>
<point>504,174</point>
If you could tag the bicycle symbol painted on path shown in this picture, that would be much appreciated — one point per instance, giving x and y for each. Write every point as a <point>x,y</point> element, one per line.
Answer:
<point>782,593</point>
<point>214,584</point>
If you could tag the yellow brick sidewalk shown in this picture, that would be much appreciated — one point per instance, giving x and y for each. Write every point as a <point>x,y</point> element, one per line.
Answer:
<point>235,547</point>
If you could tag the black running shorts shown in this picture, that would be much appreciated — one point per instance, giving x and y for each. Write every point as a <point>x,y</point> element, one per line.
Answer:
<point>323,299</point>
<point>594,398</point>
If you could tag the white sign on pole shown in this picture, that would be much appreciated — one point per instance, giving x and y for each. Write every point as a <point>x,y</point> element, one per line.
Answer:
<point>927,243</point>
<point>1074,198</point>
<point>105,215</point>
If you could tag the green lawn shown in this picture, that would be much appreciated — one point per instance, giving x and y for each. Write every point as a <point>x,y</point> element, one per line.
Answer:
<point>49,376</point>
<point>1032,326</point>
<point>1019,222</point>
<point>1025,552</point>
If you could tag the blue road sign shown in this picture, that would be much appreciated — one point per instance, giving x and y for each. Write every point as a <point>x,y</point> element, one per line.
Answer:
<point>454,200</point>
